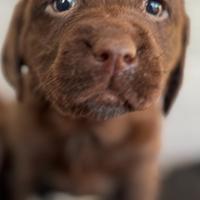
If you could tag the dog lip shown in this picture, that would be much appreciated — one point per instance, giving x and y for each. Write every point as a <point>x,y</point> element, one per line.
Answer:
<point>128,105</point>
<point>110,96</point>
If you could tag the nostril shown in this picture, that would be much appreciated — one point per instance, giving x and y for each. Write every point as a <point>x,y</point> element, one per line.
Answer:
<point>128,58</point>
<point>118,53</point>
<point>104,56</point>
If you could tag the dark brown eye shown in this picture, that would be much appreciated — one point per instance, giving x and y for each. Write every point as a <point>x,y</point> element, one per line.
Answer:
<point>155,7</point>
<point>63,5</point>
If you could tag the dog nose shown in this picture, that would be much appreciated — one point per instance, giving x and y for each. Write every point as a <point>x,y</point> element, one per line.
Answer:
<point>118,54</point>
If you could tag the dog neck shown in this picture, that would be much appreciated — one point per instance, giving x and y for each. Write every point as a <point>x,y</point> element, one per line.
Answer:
<point>44,113</point>
<point>109,131</point>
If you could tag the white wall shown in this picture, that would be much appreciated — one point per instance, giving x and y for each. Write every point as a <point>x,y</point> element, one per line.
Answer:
<point>181,139</point>
<point>6,7</point>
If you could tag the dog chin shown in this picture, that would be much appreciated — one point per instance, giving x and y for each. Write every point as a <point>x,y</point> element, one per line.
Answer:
<point>102,111</point>
<point>103,106</point>
<point>96,110</point>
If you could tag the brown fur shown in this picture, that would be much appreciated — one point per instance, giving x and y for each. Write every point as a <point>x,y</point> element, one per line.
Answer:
<point>84,125</point>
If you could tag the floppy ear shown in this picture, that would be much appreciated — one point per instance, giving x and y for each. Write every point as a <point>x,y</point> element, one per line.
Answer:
<point>176,76</point>
<point>12,58</point>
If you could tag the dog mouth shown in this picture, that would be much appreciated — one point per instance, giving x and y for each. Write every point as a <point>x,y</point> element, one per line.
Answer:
<point>115,100</point>
<point>103,106</point>
<point>107,103</point>
<point>106,96</point>
<point>110,97</point>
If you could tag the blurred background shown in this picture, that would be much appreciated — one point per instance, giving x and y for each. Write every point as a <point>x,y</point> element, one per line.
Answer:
<point>181,137</point>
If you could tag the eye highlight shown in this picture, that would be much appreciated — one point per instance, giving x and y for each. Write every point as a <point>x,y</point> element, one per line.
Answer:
<point>63,5</point>
<point>156,8</point>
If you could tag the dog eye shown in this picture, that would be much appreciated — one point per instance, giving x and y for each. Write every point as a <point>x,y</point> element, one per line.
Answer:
<point>155,7</point>
<point>63,5</point>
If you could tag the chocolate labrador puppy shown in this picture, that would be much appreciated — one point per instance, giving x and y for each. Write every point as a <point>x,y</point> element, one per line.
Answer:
<point>93,79</point>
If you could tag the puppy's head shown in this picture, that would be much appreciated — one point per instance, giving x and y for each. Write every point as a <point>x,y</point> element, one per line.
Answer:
<point>97,58</point>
